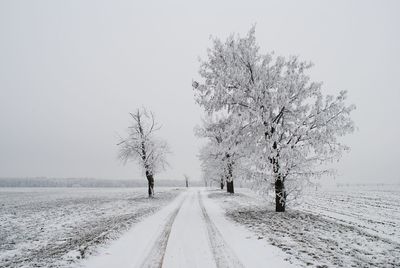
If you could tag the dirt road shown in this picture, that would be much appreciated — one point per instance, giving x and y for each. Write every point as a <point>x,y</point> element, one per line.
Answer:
<point>190,232</point>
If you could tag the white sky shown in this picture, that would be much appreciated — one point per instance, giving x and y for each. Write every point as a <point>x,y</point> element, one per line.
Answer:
<point>71,71</point>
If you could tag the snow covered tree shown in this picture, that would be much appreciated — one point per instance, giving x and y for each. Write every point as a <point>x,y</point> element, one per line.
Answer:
<point>222,152</point>
<point>290,126</point>
<point>212,165</point>
<point>141,145</point>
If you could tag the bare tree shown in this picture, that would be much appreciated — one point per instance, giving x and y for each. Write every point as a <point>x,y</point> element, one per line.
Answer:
<point>141,146</point>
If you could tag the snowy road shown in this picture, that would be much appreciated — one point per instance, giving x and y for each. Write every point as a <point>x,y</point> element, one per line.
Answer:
<point>190,232</point>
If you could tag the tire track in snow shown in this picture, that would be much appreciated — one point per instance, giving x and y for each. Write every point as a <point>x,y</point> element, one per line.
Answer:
<point>223,254</point>
<point>156,255</point>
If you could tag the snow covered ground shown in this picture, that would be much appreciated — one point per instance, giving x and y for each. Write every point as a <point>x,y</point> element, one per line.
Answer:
<point>54,227</point>
<point>94,228</point>
<point>192,231</point>
<point>342,227</point>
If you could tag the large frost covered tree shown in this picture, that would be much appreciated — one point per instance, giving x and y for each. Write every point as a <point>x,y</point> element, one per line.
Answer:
<point>141,145</point>
<point>291,127</point>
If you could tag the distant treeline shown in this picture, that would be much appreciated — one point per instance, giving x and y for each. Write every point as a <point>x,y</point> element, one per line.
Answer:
<point>366,184</point>
<point>87,182</point>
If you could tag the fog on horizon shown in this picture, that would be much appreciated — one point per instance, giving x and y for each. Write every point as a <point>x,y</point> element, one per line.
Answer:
<point>71,71</point>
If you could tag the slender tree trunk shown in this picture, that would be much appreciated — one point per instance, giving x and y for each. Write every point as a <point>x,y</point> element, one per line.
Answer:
<point>280,195</point>
<point>150,182</point>
<point>229,179</point>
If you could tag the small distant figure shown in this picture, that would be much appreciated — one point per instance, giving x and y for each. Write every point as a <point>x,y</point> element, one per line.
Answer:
<point>186,180</point>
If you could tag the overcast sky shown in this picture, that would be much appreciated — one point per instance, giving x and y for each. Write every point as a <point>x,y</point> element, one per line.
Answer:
<point>71,71</point>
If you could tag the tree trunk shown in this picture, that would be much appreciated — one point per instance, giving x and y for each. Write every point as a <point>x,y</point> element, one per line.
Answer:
<point>280,192</point>
<point>229,187</point>
<point>150,182</point>
<point>229,179</point>
<point>280,195</point>
<point>222,184</point>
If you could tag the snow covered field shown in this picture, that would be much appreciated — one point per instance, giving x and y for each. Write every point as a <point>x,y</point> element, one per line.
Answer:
<point>345,227</point>
<point>337,227</point>
<point>53,227</point>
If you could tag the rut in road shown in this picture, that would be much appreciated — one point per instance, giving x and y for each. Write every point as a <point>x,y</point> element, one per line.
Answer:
<point>156,255</point>
<point>223,254</point>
